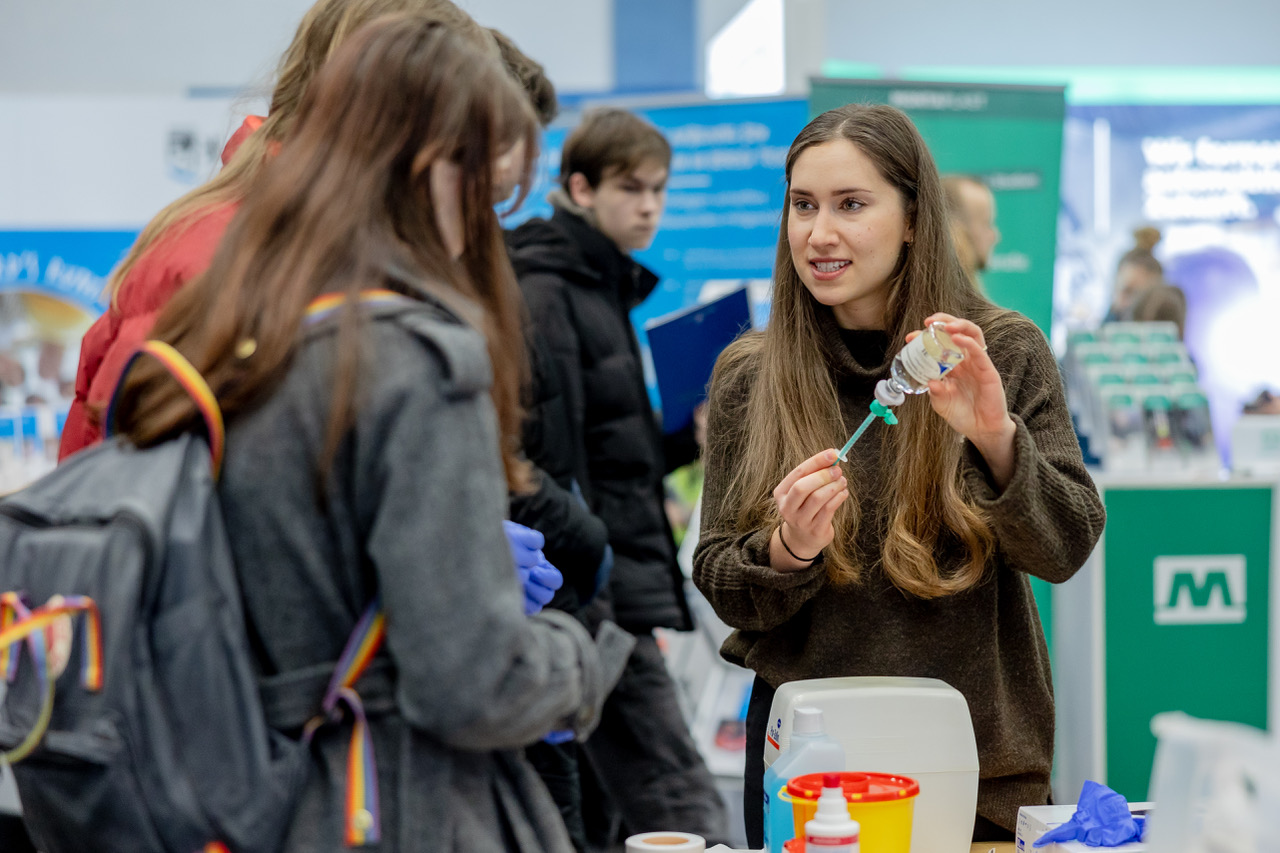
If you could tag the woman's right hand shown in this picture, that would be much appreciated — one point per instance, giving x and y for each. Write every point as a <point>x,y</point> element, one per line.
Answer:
<point>807,499</point>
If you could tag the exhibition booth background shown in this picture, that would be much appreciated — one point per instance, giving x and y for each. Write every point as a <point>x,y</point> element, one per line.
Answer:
<point>1071,182</point>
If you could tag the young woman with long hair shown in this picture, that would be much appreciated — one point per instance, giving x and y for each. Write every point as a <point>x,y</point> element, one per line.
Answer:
<point>370,452</point>
<point>912,558</point>
<point>177,244</point>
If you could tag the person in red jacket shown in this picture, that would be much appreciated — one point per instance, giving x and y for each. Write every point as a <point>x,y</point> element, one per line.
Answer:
<point>178,244</point>
<point>176,258</point>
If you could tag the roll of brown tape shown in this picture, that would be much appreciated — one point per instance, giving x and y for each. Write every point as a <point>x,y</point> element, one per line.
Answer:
<point>666,842</point>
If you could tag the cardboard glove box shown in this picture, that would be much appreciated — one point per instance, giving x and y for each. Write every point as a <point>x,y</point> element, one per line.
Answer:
<point>1035,821</point>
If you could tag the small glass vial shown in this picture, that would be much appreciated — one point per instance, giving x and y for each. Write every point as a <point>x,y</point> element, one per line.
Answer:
<point>927,357</point>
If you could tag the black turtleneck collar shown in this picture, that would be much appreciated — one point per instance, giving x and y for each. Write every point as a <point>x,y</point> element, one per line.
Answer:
<point>867,346</point>
<point>861,353</point>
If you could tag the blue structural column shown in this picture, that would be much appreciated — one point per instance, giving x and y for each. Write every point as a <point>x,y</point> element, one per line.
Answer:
<point>655,45</point>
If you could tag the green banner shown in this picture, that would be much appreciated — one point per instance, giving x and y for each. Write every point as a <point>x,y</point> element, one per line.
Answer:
<point>1187,615</point>
<point>1011,136</point>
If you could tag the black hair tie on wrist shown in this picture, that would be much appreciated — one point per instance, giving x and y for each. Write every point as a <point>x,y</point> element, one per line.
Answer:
<point>793,553</point>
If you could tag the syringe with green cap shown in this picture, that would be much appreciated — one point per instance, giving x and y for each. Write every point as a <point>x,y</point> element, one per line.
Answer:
<point>927,356</point>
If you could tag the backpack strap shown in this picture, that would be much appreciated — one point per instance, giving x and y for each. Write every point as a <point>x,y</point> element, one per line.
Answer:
<point>192,382</point>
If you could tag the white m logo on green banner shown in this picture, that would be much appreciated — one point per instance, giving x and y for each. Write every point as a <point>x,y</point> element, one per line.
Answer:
<point>1204,590</point>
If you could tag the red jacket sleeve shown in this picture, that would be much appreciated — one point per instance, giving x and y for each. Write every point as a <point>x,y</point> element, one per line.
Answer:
<point>171,262</point>
<point>81,428</point>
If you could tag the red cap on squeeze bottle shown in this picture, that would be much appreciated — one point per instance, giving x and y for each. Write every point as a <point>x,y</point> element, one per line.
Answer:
<point>832,830</point>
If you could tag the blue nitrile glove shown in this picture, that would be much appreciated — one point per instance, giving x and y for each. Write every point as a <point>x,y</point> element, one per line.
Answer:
<point>559,736</point>
<point>1102,819</point>
<point>538,578</point>
<point>540,587</point>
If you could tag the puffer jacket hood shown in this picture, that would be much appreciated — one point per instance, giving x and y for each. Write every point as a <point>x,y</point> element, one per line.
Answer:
<point>570,247</point>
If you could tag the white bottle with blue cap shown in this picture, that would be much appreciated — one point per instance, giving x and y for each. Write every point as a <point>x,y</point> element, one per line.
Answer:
<point>810,750</point>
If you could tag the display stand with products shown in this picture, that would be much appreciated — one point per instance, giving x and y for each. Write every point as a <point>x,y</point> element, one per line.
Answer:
<point>1133,392</point>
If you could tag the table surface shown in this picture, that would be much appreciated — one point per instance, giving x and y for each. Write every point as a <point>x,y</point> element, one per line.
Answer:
<point>983,847</point>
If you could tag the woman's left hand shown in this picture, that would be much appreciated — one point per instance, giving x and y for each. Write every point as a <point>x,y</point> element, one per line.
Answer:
<point>971,397</point>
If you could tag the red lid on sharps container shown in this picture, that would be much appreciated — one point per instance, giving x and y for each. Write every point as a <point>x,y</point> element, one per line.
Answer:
<point>857,787</point>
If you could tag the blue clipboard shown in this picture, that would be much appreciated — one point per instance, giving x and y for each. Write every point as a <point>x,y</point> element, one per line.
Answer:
<point>684,347</point>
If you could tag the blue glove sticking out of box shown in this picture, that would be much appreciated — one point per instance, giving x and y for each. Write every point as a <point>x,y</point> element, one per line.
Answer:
<point>1102,819</point>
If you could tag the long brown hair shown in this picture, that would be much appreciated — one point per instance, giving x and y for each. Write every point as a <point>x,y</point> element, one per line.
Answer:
<point>348,197</point>
<point>322,29</point>
<point>793,409</point>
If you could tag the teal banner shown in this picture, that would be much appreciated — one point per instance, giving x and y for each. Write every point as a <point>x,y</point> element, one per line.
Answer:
<point>1011,137</point>
<point>1187,615</point>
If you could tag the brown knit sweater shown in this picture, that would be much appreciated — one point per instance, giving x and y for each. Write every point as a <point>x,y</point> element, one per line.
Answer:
<point>986,642</point>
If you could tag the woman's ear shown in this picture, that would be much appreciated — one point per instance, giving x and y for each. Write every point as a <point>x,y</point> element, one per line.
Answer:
<point>580,191</point>
<point>422,160</point>
<point>444,178</point>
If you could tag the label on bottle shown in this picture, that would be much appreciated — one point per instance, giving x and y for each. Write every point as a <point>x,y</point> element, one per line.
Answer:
<point>921,366</point>
<point>829,840</point>
<point>929,355</point>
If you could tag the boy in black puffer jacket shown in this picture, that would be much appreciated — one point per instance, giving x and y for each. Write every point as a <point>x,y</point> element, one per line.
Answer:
<point>597,430</point>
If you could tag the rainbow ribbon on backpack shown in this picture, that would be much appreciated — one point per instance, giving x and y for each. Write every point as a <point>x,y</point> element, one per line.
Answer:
<point>363,820</point>
<point>18,623</point>
<point>323,306</point>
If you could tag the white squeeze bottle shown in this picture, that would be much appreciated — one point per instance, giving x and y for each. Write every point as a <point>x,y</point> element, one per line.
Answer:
<point>810,750</point>
<point>832,830</point>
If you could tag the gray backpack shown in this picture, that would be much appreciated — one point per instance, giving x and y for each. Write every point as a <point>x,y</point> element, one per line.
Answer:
<point>134,718</point>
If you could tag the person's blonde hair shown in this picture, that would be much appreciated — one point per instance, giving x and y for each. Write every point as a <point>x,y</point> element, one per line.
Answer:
<point>953,191</point>
<point>793,408</point>
<point>1141,255</point>
<point>322,29</point>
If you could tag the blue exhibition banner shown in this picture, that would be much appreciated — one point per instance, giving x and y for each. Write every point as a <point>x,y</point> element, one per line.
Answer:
<point>51,289</point>
<point>1208,178</point>
<point>724,201</point>
<point>71,266</point>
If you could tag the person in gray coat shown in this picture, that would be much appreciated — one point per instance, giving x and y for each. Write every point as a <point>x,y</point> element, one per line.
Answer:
<point>370,449</point>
